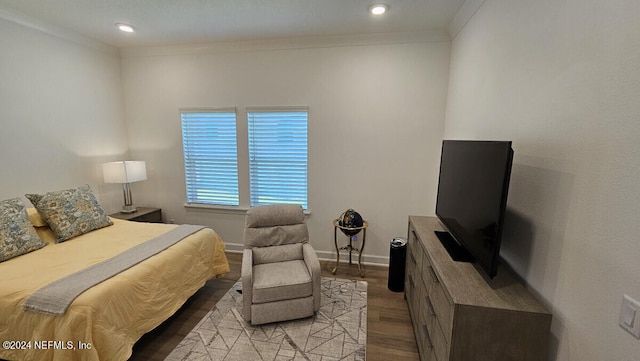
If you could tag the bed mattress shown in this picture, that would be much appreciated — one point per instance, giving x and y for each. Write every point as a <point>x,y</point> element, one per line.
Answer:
<point>105,321</point>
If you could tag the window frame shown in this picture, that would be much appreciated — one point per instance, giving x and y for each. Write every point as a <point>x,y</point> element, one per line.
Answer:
<point>242,159</point>
<point>187,166</point>
<point>303,200</point>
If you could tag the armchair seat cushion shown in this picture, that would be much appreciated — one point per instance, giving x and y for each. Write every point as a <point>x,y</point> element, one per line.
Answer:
<point>281,281</point>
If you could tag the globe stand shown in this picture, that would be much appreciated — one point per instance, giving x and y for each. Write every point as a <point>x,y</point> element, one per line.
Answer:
<point>350,246</point>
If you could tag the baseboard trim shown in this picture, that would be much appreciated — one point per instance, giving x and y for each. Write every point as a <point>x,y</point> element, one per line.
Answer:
<point>328,256</point>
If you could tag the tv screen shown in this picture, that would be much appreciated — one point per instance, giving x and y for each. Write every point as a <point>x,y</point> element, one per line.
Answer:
<point>472,199</point>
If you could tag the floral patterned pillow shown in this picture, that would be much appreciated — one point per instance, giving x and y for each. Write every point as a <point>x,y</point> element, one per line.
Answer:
<point>17,235</point>
<point>70,212</point>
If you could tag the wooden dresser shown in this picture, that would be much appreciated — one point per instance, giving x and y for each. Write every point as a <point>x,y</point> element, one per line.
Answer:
<point>459,314</point>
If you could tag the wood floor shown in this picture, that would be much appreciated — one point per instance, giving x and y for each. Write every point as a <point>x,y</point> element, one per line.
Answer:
<point>390,333</point>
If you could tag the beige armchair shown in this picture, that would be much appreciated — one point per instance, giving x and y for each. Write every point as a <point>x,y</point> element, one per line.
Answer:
<point>280,269</point>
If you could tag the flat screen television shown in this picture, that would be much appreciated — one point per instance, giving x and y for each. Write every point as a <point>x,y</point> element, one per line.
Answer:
<point>472,199</point>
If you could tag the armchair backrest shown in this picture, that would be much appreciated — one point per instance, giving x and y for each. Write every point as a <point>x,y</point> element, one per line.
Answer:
<point>275,225</point>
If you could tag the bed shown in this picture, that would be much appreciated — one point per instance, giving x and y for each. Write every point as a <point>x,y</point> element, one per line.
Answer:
<point>105,321</point>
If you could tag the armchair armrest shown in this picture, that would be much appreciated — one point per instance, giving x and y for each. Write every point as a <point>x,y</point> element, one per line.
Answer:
<point>247,282</point>
<point>313,265</point>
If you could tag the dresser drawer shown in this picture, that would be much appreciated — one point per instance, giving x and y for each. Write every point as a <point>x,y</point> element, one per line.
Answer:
<point>425,344</point>
<point>410,267</point>
<point>441,305</point>
<point>428,314</point>
<point>443,310</point>
<point>412,295</point>
<point>428,274</point>
<point>408,292</point>
<point>415,251</point>
<point>440,345</point>
<point>432,324</point>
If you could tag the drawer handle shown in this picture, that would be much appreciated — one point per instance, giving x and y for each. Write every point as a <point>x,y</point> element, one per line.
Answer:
<point>411,282</point>
<point>434,277</point>
<point>426,336</point>
<point>413,259</point>
<point>432,310</point>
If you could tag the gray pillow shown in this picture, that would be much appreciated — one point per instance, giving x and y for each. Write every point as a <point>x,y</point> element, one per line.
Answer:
<point>17,235</point>
<point>71,212</point>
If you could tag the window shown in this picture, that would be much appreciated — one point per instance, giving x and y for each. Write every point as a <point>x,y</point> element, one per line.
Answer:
<point>278,156</point>
<point>210,156</point>
<point>275,140</point>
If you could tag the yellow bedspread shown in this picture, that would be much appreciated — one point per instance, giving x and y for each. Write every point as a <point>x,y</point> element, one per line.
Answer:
<point>104,322</point>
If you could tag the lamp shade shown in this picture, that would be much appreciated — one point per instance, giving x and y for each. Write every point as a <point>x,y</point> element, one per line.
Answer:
<point>124,171</point>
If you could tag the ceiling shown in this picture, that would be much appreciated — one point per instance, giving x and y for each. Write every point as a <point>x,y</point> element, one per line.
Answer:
<point>173,22</point>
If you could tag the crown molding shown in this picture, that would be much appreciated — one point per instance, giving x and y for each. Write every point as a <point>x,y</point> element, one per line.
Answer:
<point>466,12</point>
<point>56,31</point>
<point>235,46</point>
<point>288,44</point>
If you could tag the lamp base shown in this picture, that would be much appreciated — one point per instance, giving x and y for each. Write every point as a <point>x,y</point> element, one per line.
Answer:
<point>128,209</point>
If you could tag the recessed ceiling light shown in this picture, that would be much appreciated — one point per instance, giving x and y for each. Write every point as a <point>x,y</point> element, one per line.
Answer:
<point>125,27</point>
<point>378,9</point>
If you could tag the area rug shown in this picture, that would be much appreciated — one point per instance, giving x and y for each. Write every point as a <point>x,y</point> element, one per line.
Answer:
<point>337,332</point>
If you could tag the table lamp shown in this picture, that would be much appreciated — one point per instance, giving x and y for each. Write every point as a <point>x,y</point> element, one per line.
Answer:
<point>125,173</point>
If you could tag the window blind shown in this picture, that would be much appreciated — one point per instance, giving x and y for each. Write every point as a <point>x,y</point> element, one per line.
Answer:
<point>278,156</point>
<point>210,156</point>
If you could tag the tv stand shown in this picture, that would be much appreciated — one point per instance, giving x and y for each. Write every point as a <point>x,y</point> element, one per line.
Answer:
<point>457,252</point>
<point>459,314</point>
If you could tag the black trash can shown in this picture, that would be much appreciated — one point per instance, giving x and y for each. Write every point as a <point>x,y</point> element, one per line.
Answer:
<point>397,260</point>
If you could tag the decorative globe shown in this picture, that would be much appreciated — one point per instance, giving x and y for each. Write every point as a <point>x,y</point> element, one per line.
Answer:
<point>350,219</point>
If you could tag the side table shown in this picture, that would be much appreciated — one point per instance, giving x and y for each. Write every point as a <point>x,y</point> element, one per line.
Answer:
<point>142,214</point>
<point>350,246</point>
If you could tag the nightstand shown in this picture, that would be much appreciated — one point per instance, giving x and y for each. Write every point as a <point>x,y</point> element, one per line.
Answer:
<point>142,214</point>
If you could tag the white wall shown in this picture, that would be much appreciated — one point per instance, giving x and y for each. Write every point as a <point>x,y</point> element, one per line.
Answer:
<point>376,117</point>
<point>561,80</point>
<point>61,112</point>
